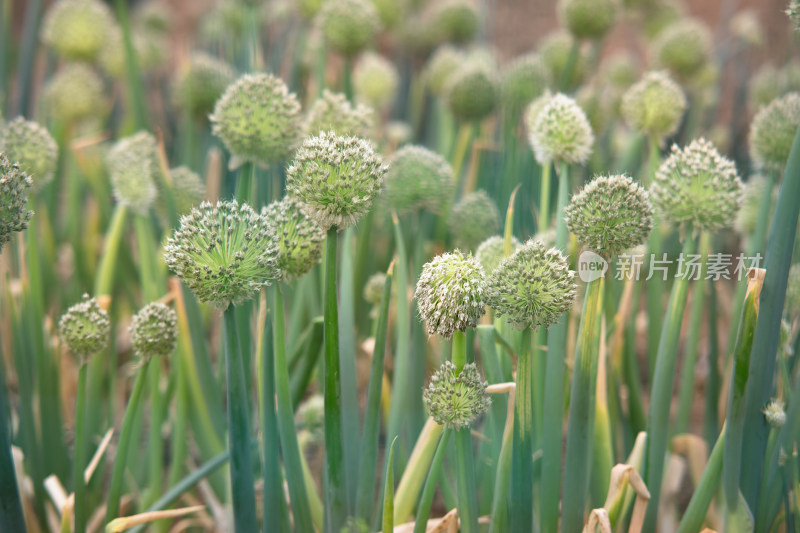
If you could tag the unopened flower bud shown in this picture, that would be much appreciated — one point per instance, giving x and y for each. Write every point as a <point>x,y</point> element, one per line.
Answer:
<point>654,105</point>
<point>773,130</point>
<point>418,178</point>
<point>154,331</point>
<point>132,166</point>
<point>14,212</point>
<point>474,219</point>
<point>32,147</point>
<point>532,287</point>
<point>450,294</point>
<point>610,215</point>
<point>697,187</point>
<point>456,399</point>
<point>493,250</point>
<point>85,328</point>
<point>336,178</point>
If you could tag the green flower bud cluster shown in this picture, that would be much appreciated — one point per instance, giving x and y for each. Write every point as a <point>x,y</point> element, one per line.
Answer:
<point>471,92</point>
<point>454,21</point>
<point>258,120</point>
<point>336,178</point>
<point>610,215</point>
<point>474,219</point>
<point>654,105</point>
<point>684,47</point>
<point>349,26</point>
<point>373,289</point>
<point>443,63</point>
<point>133,166</point>
<point>775,414</point>
<point>450,294</point>
<point>188,188</point>
<point>561,132</point>
<point>532,287</point>
<point>75,93</point>
<point>226,253</point>
<point>299,237</point>
<point>523,80</point>
<point>619,70</point>
<point>555,50</point>
<point>456,399</point>
<point>697,187</point>
<point>201,82</point>
<point>772,132</point>
<point>32,147</point>
<point>588,19</point>
<point>154,331</point>
<point>493,250</point>
<point>389,11</point>
<point>77,29</point>
<point>769,83</point>
<point>660,15</point>
<point>14,212</point>
<point>418,178</point>
<point>375,80</point>
<point>85,328</point>
<point>333,112</point>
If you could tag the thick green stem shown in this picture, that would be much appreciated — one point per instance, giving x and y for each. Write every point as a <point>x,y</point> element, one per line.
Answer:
<point>245,185</point>
<point>108,263</point>
<point>242,485</point>
<point>334,454</point>
<point>11,516</point>
<point>134,75</point>
<point>580,424</point>
<point>544,199</point>
<point>696,312</point>
<point>661,395</point>
<point>755,244</point>
<point>654,287</point>
<point>121,459</point>
<point>79,461</point>
<point>274,500</point>
<point>348,79</point>
<point>425,501</point>
<point>287,430</point>
<point>695,514</point>
<point>522,454</point>
<point>369,444</point>
<point>553,405</point>
<point>465,471</point>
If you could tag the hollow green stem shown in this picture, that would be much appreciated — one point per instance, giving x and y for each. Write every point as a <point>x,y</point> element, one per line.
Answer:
<point>121,458</point>
<point>108,262</point>
<point>286,427</point>
<point>580,424</point>
<point>425,501</point>
<point>348,79</point>
<point>696,311</point>
<point>245,185</point>
<point>11,516</point>
<point>544,199</point>
<point>553,404</point>
<point>79,461</point>
<point>242,485</point>
<point>655,287</point>
<point>369,443</point>
<point>663,381</point>
<point>522,451</point>
<point>465,471</point>
<point>695,514</point>
<point>334,454</point>
<point>388,492</point>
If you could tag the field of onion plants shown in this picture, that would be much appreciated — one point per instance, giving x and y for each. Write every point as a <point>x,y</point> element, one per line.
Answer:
<point>348,266</point>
